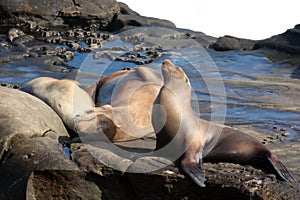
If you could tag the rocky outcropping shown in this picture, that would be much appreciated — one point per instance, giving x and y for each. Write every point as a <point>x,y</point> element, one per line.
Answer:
<point>30,133</point>
<point>83,13</point>
<point>40,162</point>
<point>282,47</point>
<point>88,14</point>
<point>227,43</point>
<point>287,42</point>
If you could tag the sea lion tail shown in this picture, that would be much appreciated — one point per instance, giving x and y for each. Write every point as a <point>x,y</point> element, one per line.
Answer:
<point>281,170</point>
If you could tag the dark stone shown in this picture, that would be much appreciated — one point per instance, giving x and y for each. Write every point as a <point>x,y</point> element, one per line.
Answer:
<point>59,12</point>
<point>232,43</point>
<point>91,159</point>
<point>65,184</point>
<point>282,47</point>
<point>158,178</point>
<point>165,37</point>
<point>25,116</point>
<point>124,9</point>
<point>26,156</point>
<point>288,42</point>
<point>124,21</point>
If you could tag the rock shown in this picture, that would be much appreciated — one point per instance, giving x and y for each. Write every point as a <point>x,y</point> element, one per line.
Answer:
<point>14,33</point>
<point>28,155</point>
<point>7,85</point>
<point>282,47</point>
<point>288,42</point>
<point>125,10</point>
<point>67,185</point>
<point>165,37</point>
<point>125,21</point>
<point>158,178</point>
<point>97,13</point>
<point>232,43</point>
<point>25,116</point>
<point>92,158</point>
<point>229,180</point>
<point>128,18</point>
<point>149,164</point>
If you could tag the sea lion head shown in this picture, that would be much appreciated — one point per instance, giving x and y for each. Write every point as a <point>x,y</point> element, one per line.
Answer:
<point>175,79</point>
<point>171,72</point>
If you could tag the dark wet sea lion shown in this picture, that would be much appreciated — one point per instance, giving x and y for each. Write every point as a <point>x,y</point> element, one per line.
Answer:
<point>179,130</point>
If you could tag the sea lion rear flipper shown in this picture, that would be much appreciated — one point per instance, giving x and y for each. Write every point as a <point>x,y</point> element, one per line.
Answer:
<point>195,171</point>
<point>281,170</point>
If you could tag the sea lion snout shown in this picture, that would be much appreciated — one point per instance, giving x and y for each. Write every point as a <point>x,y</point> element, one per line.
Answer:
<point>170,71</point>
<point>168,63</point>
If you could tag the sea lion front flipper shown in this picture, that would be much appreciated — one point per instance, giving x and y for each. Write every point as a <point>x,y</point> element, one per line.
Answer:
<point>281,170</point>
<point>195,171</point>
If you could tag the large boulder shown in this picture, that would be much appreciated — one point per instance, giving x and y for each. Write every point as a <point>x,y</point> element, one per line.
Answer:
<point>123,21</point>
<point>227,43</point>
<point>25,116</point>
<point>129,18</point>
<point>288,42</point>
<point>67,185</point>
<point>166,37</point>
<point>29,155</point>
<point>58,12</point>
<point>151,177</point>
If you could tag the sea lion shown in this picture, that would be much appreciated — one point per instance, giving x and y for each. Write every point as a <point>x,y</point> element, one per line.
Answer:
<point>124,102</point>
<point>131,95</point>
<point>65,97</point>
<point>76,108</point>
<point>178,130</point>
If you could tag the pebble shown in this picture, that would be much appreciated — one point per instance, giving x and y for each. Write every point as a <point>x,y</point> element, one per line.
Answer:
<point>74,46</point>
<point>285,134</point>
<point>14,33</point>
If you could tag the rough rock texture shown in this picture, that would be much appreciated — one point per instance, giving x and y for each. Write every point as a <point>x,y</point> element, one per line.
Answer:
<point>232,43</point>
<point>25,116</point>
<point>157,178</point>
<point>166,37</point>
<point>61,184</point>
<point>288,42</point>
<point>30,132</point>
<point>128,18</point>
<point>125,21</point>
<point>26,156</point>
<point>58,12</point>
<point>124,9</point>
<point>282,47</point>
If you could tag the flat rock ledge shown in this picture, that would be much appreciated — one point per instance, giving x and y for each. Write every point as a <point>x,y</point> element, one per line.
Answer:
<point>224,180</point>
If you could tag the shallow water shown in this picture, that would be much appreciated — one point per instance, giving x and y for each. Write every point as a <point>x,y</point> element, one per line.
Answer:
<point>238,87</point>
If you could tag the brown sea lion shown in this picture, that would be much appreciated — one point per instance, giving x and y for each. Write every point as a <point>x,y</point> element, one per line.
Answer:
<point>65,97</point>
<point>179,131</point>
<point>131,95</point>
<point>75,107</point>
<point>124,102</point>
